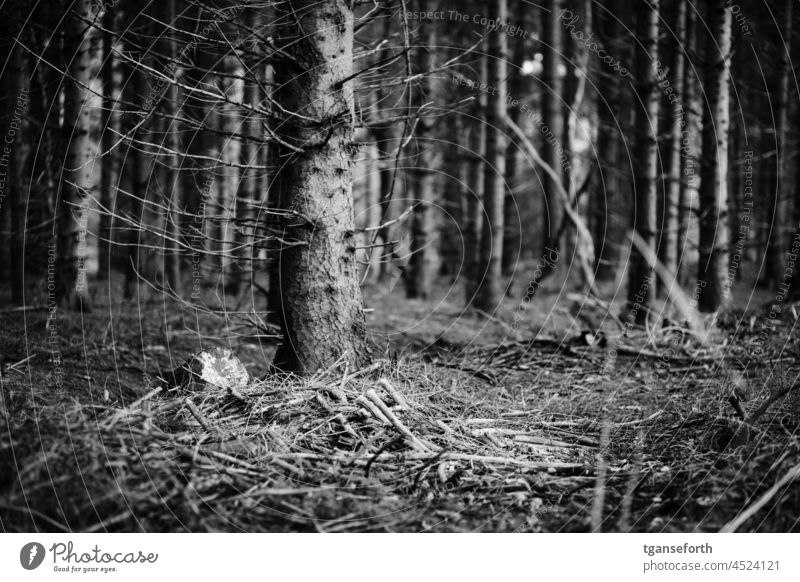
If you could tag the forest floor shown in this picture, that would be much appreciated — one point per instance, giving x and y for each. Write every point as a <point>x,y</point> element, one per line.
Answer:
<point>564,424</point>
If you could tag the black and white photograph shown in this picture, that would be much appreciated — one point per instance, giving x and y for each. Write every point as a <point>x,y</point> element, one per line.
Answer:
<point>399,266</point>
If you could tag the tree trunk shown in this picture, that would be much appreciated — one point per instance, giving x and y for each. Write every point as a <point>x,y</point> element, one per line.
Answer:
<point>610,202</point>
<point>552,129</point>
<point>321,306</point>
<point>668,244</point>
<point>474,186</point>
<point>82,109</point>
<point>386,141</point>
<point>490,289</point>
<point>421,268</point>
<point>248,192</point>
<point>714,236</point>
<point>780,194</point>
<point>518,88</point>
<point>17,184</point>
<point>209,212</point>
<point>454,205</point>
<point>110,124</point>
<point>272,199</point>
<point>641,280</point>
<point>230,237</point>
<point>139,177</point>
<point>692,106</point>
<point>172,265</point>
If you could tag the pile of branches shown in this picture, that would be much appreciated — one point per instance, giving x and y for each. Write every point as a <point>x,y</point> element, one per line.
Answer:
<point>365,451</point>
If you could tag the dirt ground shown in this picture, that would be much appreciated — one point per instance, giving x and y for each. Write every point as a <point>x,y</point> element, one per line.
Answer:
<point>562,423</point>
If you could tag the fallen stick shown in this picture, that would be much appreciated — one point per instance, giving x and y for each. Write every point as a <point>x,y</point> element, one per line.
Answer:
<point>199,417</point>
<point>396,396</point>
<point>599,497</point>
<point>24,308</point>
<point>129,409</point>
<point>13,366</point>
<point>372,409</point>
<point>769,402</point>
<point>346,426</point>
<point>490,460</point>
<point>633,483</point>
<point>506,461</point>
<point>736,523</point>
<point>401,428</point>
<point>363,371</point>
<point>236,394</point>
<point>444,427</point>
<point>537,440</point>
<point>640,421</point>
<point>144,398</point>
<point>492,440</point>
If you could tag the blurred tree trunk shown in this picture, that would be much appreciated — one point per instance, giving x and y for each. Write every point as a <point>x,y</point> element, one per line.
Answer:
<point>609,202</point>
<point>454,205</point>
<point>82,107</point>
<point>421,269</point>
<point>552,120</point>
<point>490,289</point>
<point>475,184</point>
<point>737,245</point>
<point>210,207</point>
<point>138,179</point>
<point>110,123</point>
<point>676,115</point>
<point>714,236</point>
<point>175,202</point>
<point>17,186</point>
<point>780,194</point>
<point>230,237</point>
<point>386,134</point>
<point>518,89</point>
<point>386,142</point>
<point>641,280</point>
<point>249,188</point>
<point>272,198</point>
<point>690,136</point>
<point>321,308</point>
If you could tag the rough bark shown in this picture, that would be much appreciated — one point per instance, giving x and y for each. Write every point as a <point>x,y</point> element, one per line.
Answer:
<point>641,279</point>
<point>321,307</point>
<point>82,107</point>
<point>490,285</point>
<point>714,236</point>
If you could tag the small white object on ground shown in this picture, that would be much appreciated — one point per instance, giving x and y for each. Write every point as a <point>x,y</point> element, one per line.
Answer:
<point>218,367</point>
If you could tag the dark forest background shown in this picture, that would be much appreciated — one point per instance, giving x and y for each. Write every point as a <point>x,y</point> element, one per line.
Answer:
<point>557,241</point>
